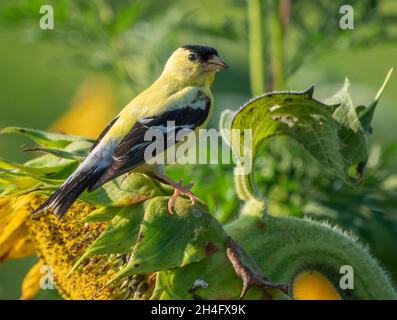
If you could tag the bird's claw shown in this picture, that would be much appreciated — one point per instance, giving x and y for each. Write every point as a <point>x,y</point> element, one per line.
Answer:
<point>184,191</point>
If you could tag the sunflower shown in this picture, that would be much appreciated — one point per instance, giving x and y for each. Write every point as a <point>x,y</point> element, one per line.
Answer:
<point>120,242</point>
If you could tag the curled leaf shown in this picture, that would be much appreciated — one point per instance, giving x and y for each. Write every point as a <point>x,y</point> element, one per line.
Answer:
<point>333,132</point>
<point>295,114</point>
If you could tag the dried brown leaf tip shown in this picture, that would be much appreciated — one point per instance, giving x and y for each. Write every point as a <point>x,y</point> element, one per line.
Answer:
<point>246,268</point>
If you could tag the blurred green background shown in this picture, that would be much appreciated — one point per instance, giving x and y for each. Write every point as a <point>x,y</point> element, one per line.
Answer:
<point>125,44</point>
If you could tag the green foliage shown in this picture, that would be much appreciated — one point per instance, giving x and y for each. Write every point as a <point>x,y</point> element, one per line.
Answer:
<point>154,239</point>
<point>295,184</point>
<point>330,132</point>
<point>121,233</point>
<point>128,40</point>
<point>121,40</point>
<point>187,249</point>
<point>170,241</point>
<point>282,247</point>
<point>309,33</point>
<point>116,36</point>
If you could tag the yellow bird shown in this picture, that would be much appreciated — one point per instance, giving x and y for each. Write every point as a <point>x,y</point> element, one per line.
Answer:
<point>181,96</point>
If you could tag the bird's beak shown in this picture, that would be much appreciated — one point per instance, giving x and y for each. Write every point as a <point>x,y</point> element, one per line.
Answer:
<point>216,64</point>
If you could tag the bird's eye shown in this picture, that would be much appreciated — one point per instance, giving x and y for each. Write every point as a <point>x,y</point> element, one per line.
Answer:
<point>192,57</point>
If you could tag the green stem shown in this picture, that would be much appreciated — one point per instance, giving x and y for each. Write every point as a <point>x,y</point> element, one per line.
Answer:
<point>245,190</point>
<point>276,47</point>
<point>256,47</point>
<point>244,186</point>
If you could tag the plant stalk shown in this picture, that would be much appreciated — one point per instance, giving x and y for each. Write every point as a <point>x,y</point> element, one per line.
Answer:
<point>256,47</point>
<point>276,47</point>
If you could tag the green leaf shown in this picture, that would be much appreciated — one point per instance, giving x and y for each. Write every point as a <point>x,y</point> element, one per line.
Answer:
<point>50,168</point>
<point>60,163</point>
<point>335,133</point>
<point>126,190</point>
<point>366,114</point>
<point>43,138</point>
<point>212,278</point>
<point>355,126</point>
<point>345,114</point>
<point>9,165</point>
<point>295,114</point>
<point>12,170</point>
<point>168,241</point>
<point>56,152</point>
<point>119,236</point>
<point>102,214</point>
<point>353,140</point>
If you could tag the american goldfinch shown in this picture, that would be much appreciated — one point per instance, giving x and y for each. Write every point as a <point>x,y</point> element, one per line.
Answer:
<point>181,95</point>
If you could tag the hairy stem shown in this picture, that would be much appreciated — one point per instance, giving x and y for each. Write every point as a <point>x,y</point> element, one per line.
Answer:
<point>245,189</point>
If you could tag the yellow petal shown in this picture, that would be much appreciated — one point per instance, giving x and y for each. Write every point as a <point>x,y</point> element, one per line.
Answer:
<point>313,285</point>
<point>23,246</point>
<point>31,283</point>
<point>91,111</point>
<point>13,215</point>
<point>5,211</point>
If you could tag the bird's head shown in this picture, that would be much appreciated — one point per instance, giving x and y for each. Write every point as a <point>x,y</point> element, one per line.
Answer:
<point>194,64</point>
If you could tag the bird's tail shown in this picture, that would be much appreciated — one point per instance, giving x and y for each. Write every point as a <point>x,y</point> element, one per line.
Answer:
<point>62,199</point>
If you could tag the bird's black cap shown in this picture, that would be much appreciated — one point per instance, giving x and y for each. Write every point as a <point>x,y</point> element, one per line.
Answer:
<point>203,52</point>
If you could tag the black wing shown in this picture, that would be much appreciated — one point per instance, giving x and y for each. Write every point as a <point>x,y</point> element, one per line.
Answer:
<point>130,152</point>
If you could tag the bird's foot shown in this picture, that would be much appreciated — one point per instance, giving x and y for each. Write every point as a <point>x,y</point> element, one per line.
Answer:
<point>181,190</point>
